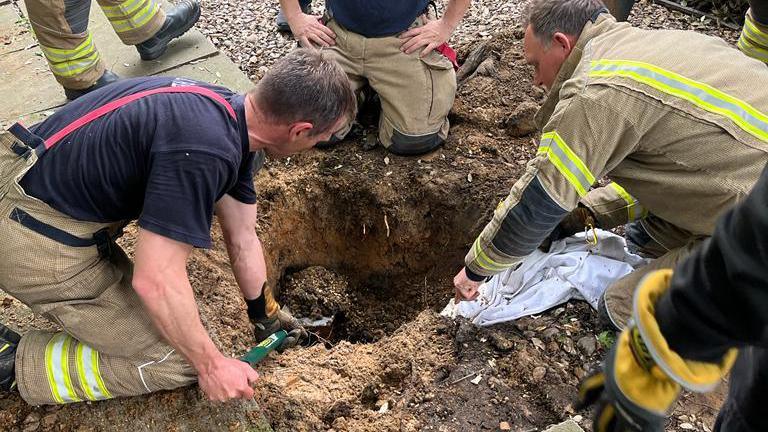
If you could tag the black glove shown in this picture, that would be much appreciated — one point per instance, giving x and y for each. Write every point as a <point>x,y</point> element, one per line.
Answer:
<point>264,327</point>
<point>574,222</point>
<point>267,318</point>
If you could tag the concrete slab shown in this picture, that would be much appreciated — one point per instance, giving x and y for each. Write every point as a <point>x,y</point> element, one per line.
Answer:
<point>14,33</point>
<point>566,426</point>
<point>125,61</point>
<point>215,70</point>
<point>27,85</point>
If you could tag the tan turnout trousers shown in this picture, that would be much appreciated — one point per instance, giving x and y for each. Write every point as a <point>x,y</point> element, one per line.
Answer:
<point>61,27</point>
<point>108,346</point>
<point>416,92</point>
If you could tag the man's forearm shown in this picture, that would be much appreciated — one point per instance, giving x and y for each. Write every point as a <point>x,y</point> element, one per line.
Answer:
<point>246,256</point>
<point>291,8</point>
<point>172,308</point>
<point>454,12</point>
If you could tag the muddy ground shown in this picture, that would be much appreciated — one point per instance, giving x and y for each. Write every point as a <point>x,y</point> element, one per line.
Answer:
<point>373,240</point>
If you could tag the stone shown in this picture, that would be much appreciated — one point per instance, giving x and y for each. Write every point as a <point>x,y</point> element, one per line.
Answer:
<point>538,373</point>
<point>521,122</point>
<point>505,426</point>
<point>587,345</point>
<point>566,426</point>
<point>49,420</point>
<point>550,333</point>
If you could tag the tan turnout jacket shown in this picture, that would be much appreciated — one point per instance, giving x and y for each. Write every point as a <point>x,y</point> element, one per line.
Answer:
<point>677,119</point>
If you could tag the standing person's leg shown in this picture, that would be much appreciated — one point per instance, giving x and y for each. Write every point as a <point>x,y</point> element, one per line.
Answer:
<point>754,34</point>
<point>144,23</point>
<point>61,28</point>
<point>620,9</point>
<point>744,408</point>
<point>416,95</point>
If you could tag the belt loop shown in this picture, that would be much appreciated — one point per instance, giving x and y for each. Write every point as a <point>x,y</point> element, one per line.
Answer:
<point>103,242</point>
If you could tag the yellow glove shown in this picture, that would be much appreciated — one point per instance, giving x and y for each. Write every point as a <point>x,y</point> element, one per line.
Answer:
<point>642,376</point>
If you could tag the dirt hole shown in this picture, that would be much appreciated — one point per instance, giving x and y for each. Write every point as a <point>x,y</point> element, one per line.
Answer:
<point>361,268</point>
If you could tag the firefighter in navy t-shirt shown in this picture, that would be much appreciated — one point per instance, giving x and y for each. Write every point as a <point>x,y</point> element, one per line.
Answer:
<point>167,153</point>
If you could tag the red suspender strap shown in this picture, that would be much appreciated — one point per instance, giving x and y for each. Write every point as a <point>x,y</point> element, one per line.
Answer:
<point>115,104</point>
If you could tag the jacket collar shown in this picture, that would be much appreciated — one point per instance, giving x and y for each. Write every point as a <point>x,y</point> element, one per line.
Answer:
<point>601,24</point>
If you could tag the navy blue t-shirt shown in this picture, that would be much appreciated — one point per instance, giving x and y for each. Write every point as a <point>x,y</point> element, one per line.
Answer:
<point>375,18</point>
<point>164,159</point>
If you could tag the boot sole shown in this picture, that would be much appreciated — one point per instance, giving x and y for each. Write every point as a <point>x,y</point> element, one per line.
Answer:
<point>161,49</point>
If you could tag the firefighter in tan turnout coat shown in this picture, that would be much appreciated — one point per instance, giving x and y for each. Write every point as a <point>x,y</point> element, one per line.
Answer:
<point>674,118</point>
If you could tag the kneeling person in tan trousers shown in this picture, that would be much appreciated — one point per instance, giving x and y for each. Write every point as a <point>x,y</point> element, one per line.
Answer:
<point>390,46</point>
<point>673,118</point>
<point>166,152</point>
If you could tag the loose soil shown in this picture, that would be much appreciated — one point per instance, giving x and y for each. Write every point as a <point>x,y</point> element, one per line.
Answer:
<point>373,240</point>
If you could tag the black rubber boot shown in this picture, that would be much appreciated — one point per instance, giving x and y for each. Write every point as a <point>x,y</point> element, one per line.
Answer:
<point>282,23</point>
<point>9,340</point>
<point>183,16</point>
<point>107,78</point>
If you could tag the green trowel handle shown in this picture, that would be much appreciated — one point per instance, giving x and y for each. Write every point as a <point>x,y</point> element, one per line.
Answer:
<point>257,353</point>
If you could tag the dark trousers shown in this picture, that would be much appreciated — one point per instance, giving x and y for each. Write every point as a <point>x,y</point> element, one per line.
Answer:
<point>746,408</point>
<point>759,10</point>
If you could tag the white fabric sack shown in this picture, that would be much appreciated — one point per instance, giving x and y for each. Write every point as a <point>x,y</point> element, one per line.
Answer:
<point>571,269</point>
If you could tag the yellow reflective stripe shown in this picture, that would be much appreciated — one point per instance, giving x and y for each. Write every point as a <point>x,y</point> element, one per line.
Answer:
<point>84,384</point>
<point>571,155</point>
<point>57,368</point>
<point>123,9</point>
<point>97,374</point>
<point>87,360</point>
<point>61,54</point>
<point>484,261</point>
<point>139,19</point>
<point>754,33</point>
<point>65,369</point>
<point>629,199</point>
<point>566,161</point>
<point>49,370</point>
<point>751,49</point>
<point>72,68</point>
<point>5,347</point>
<point>702,95</point>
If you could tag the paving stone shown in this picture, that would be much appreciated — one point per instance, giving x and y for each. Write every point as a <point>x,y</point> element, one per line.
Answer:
<point>27,85</point>
<point>14,34</point>
<point>215,70</point>
<point>124,59</point>
<point>566,426</point>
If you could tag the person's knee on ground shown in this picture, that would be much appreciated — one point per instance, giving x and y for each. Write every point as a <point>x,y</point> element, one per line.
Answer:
<point>615,305</point>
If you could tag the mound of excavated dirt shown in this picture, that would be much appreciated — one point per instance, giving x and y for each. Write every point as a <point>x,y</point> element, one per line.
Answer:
<point>373,241</point>
<point>435,374</point>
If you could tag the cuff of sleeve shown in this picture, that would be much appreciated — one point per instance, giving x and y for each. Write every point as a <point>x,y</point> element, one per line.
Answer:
<point>683,338</point>
<point>474,276</point>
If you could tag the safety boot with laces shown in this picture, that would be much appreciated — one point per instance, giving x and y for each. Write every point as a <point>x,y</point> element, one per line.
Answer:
<point>9,341</point>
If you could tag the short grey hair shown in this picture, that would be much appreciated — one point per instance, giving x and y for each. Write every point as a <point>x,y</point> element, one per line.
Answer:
<point>306,86</point>
<point>547,17</point>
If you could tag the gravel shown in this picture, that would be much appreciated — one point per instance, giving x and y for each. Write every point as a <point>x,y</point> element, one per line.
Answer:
<point>245,30</point>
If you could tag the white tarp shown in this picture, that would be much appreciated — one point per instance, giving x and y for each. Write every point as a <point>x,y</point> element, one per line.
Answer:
<point>571,269</point>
